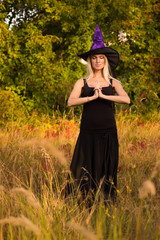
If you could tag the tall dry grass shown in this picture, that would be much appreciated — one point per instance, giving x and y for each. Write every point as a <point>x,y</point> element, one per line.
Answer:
<point>34,170</point>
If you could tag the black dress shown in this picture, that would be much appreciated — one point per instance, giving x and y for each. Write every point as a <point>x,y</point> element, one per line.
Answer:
<point>96,152</point>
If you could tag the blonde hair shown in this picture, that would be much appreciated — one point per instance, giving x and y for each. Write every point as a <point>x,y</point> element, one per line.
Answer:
<point>106,69</point>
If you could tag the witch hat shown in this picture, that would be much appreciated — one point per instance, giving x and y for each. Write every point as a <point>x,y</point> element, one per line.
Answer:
<point>98,47</point>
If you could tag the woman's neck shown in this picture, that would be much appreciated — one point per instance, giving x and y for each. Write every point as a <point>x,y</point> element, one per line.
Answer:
<point>98,74</point>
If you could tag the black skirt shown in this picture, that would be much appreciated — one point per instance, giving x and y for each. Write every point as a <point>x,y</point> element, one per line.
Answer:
<point>96,157</point>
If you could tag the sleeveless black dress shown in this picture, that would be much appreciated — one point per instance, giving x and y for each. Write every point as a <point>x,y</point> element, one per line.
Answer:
<point>96,152</point>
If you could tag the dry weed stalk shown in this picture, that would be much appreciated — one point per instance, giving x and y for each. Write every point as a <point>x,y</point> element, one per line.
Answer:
<point>2,188</point>
<point>45,155</point>
<point>53,151</point>
<point>146,189</point>
<point>94,205</point>
<point>46,159</point>
<point>21,221</point>
<point>82,230</point>
<point>148,186</point>
<point>29,196</point>
<point>155,170</point>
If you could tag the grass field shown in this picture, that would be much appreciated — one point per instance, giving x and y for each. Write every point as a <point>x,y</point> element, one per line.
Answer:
<point>34,165</point>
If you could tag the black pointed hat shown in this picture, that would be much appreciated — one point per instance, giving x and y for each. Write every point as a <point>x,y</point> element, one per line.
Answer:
<point>98,47</point>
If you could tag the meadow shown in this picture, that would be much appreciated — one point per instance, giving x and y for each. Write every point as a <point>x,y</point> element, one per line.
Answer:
<point>34,168</point>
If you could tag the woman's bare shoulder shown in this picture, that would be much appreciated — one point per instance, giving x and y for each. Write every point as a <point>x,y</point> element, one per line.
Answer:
<point>79,83</point>
<point>115,82</point>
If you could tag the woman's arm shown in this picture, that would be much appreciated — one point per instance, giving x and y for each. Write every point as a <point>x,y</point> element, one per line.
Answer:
<point>122,96</point>
<point>75,99</point>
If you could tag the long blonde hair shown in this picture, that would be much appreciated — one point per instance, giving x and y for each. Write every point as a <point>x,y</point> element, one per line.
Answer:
<point>106,69</point>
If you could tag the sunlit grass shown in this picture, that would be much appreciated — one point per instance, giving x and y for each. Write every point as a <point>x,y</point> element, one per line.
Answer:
<point>34,167</point>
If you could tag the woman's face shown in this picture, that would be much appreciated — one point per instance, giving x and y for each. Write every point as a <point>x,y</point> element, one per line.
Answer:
<point>97,61</point>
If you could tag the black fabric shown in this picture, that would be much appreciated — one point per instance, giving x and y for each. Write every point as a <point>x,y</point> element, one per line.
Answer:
<point>95,157</point>
<point>98,115</point>
<point>96,151</point>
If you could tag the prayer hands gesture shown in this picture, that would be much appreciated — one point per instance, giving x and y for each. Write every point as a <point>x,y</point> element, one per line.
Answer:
<point>98,91</point>
<point>76,99</point>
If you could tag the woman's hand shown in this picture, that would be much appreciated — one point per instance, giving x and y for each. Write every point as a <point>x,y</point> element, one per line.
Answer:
<point>121,96</point>
<point>98,90</point>
<point>97,86</point>
<point>100,94</point>
<point>96,94</point>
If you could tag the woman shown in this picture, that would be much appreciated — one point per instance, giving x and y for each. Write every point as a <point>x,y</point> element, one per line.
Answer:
<point>95,157</point>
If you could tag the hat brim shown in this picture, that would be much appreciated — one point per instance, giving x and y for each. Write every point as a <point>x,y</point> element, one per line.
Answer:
<point>111,54</point>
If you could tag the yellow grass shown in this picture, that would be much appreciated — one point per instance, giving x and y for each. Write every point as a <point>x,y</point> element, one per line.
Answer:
<point>34,171</point>
<point>21,221</point>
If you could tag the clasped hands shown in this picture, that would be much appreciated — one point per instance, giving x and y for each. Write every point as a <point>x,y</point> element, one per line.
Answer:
<point>98,91</point>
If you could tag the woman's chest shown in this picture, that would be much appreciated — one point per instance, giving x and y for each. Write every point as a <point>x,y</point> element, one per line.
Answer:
<point>89,91</point>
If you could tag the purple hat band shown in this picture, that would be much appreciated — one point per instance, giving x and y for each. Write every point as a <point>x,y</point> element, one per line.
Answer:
<point>97,39</point>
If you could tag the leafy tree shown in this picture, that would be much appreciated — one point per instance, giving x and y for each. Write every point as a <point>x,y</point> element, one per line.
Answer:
<point>39,47</point>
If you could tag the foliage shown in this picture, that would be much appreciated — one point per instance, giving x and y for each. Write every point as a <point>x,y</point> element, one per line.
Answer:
<point>41,39</point>
<point>11,107</point>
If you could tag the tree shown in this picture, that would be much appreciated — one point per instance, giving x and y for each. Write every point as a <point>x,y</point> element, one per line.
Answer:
<point>39,50</point>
